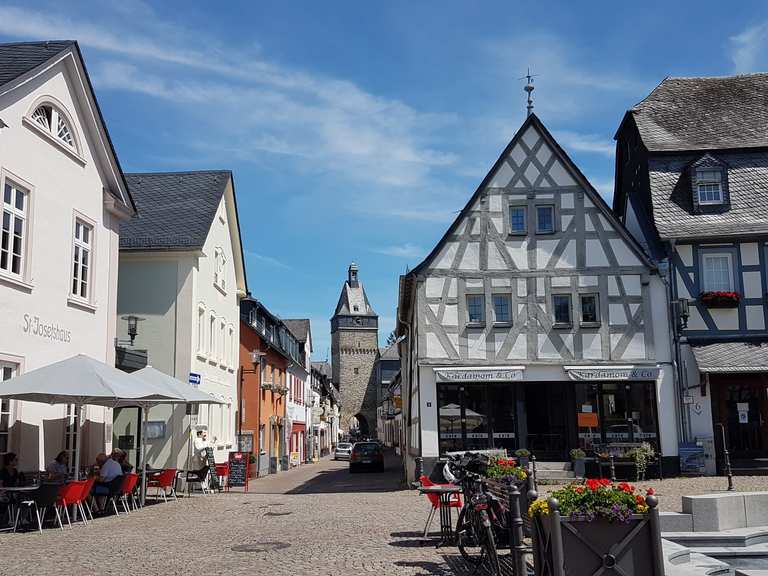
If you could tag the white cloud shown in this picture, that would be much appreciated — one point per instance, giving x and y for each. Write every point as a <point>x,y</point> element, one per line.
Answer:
<point>269,260</point>
<point>592,143</point>
<point>406,250</point>
<point>749,47</point>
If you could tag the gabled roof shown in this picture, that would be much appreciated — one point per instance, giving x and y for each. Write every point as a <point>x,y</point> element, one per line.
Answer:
<point>684,114</point>
<point>176,209</point>
<point>20,58</point>
<point>672,197</point>
<point>299,328</point>
<point>592,194</point>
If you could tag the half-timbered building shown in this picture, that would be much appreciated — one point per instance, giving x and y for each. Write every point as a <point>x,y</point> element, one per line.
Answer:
<point>691,180</point>
<point>531,323</point>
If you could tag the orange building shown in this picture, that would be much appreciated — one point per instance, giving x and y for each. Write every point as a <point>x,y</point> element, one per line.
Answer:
<point>266,349</point>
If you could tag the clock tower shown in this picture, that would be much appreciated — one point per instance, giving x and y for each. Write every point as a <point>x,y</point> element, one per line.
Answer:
<point>354,350</point>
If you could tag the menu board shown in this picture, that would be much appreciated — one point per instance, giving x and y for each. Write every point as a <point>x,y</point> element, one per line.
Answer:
<point>239,470</point>
<point>213,480</point>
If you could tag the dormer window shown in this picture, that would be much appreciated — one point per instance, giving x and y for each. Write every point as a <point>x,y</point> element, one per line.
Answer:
<point>53,122</point>
<point>709,186</point>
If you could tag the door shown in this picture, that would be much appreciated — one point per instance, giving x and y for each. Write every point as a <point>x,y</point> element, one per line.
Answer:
<point>547,422</point>
<point>743,407</point>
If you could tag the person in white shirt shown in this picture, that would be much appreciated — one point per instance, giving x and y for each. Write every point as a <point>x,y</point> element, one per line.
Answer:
<point>200,452</point>
<point>109,469</point>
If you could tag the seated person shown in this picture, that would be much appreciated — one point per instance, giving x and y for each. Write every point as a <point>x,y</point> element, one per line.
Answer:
<point>58,469</point>
<point>109,469</point>
<point>10,475</point>
<point>122,458</point>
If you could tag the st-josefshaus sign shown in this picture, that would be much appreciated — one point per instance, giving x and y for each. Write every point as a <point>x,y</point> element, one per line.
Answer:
<point>36,327</point>
<point>612,372</point>
<point>503,374</point>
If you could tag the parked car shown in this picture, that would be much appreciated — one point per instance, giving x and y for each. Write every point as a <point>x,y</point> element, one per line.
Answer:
<point>366,455</point>
<point>343,451</point>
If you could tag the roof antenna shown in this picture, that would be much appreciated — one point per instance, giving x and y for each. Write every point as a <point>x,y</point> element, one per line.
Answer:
<point>529,89</point>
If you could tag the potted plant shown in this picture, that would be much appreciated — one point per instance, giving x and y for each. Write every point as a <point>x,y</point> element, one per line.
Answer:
<point>523,457</point>
<point>578,456</point>
<point>642,455</point>
<point>599,527</point>
<point>719,299</point>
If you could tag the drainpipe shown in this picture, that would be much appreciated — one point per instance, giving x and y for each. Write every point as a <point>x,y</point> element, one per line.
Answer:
<point>405,446</point>
<point>682,416</point>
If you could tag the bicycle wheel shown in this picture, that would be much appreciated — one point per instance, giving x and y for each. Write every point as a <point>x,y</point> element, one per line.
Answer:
<point>489,545</point>
<point>466,538</point>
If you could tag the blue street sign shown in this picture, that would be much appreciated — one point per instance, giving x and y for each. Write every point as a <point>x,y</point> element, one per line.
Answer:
<point>195,379</point>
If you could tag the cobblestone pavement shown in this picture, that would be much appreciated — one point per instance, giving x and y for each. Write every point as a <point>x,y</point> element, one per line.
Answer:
<point>317,520</point>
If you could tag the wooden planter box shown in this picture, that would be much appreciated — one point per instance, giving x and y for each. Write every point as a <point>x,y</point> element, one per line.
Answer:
<point>565,547</point>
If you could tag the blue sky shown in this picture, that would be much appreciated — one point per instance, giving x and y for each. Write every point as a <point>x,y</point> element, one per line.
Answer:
<point>356,130</point>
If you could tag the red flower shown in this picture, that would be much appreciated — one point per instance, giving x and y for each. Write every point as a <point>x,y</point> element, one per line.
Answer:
<point>639,499</point>
<point>628,488</point>
<point>650,491</point>
<point>579,489</point>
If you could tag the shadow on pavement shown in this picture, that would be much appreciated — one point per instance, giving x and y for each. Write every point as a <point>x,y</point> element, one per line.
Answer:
<point>340,480</point>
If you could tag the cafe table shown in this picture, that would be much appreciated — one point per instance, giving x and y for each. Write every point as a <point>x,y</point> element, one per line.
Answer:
<point>11,506</point>
<point>445,493</point>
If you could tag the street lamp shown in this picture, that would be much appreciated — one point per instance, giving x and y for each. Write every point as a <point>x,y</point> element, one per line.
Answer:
<point>683,311</point>
<point>133,326</point>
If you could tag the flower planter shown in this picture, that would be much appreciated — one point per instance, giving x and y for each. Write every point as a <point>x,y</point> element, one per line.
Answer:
<point>577,547</point>
<point>720,299</point>
<point>579,467</point>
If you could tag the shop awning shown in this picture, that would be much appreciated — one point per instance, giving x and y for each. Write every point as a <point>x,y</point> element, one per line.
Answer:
<point>731,357</point>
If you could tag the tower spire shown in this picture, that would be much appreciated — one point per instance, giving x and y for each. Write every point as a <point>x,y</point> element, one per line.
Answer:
<point>529,89</point>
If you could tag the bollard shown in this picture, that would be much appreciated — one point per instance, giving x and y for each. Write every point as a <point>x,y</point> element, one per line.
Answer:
<point>556,538</point>
<point>656,549</point>
<point>613,468</point>
<point>516,545</point>
<point>533,472</point>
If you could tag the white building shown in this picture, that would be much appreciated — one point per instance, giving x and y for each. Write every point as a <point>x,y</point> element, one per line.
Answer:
<point>299,404</point>
<point>182,272</point>
<point>62,197</point>
<point>533,324</point>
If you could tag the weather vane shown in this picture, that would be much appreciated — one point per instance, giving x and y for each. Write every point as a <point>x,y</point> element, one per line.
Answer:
<point>529,89</point>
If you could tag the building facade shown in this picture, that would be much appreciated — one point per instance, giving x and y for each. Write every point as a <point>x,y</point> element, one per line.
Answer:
<point>265,356</point>
<point>692,170</point>
<point>62,199</point>
<point>299,406</point>
<point>387,369</point>
<point>183,274</point>
<point>328,415</point>
<point>354,350</point>
<point>530,324</point>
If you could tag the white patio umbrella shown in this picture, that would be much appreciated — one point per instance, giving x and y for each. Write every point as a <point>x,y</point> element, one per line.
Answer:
<point>186,393</point>
<point>82,380</point>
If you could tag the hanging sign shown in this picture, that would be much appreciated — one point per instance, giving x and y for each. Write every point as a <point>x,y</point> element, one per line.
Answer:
<point>587,420</point>
<point>593,373</point>
<point>195,378</point>
<point>478,374</point>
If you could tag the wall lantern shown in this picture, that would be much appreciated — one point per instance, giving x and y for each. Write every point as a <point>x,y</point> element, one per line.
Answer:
<point>133,326</point>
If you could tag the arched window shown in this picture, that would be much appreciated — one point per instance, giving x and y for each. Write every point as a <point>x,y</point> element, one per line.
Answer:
<point>54,121</point>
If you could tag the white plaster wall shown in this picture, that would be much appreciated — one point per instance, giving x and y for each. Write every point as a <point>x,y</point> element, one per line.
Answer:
<point>60,185</point>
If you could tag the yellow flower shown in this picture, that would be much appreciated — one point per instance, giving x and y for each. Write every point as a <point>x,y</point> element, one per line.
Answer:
<point>540,506</point>
<point>642,508</point>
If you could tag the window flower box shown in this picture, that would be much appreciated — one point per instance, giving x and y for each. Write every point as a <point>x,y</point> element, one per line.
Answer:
<point>597,528</point>
<point>720,299</point>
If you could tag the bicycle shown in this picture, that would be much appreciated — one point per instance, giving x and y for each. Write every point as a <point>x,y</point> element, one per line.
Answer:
<point>482,515</point>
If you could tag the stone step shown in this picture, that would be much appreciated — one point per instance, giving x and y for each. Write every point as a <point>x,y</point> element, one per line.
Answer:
<point>565,475</point>
<point>553,466</point>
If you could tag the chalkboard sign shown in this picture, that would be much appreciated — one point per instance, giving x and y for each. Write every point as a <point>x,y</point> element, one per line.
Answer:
<point>239,470</point>
<point>213,480</point>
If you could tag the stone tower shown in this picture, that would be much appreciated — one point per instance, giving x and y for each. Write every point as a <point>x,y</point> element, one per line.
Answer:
<point>354,350</point>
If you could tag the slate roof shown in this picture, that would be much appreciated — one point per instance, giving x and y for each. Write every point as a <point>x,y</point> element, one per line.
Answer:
<point>732,357</point>
<point>352,296</point>
<point>684,114</point>
<point>323,367</point>
<point>299,328</point>
<point>176,209</point>
<point>18,58</point>
<point>389,353</point>
<point>672,197</point>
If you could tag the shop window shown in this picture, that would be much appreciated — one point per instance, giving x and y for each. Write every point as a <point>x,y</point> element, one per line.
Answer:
<point>7,371</point>
<point>518,221</point>
<point>590,312</point>
<point>501,308</point>
<point>475,308</point>
<point>561,306</point>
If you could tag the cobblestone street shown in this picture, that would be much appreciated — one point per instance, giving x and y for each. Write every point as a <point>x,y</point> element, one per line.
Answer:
<point>317,520</point>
